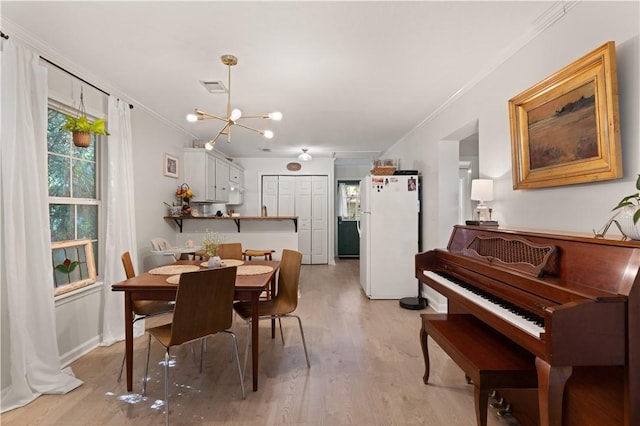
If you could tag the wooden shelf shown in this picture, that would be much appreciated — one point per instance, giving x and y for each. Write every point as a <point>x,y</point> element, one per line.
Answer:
<point>178,219</point>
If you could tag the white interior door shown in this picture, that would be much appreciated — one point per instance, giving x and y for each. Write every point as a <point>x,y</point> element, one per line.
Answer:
<point>286,196</point>
<point>319,234</point>
<point>303,211</point>
<point>270,194</point>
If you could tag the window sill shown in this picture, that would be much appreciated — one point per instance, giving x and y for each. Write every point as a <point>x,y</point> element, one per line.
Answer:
<point>78,293</point>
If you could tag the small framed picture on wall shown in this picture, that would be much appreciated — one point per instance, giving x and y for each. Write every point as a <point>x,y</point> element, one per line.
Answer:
<point>171,165</point>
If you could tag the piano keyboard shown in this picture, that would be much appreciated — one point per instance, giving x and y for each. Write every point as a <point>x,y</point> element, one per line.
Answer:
<point>526,321</point>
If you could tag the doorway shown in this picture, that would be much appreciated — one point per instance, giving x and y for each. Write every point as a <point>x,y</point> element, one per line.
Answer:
<point>347,221</point>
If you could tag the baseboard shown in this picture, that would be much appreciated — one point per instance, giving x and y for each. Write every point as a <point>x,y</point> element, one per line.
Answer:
<point>67,358</point>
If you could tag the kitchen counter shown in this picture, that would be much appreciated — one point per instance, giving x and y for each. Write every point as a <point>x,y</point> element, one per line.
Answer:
<point>237,219</point>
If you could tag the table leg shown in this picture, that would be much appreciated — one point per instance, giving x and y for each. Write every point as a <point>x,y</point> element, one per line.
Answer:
<point>254,338</point>
<point>128,333</point>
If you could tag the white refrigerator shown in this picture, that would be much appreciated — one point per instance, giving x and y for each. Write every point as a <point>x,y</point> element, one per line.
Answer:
<point>389,228</point>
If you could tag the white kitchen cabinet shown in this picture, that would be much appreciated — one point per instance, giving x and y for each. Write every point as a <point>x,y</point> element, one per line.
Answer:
<point>222,181</point>
<point>236,185</point>
<point>206,175</point>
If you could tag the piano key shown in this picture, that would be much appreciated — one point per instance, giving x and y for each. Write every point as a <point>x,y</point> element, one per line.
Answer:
<point>493,304</point>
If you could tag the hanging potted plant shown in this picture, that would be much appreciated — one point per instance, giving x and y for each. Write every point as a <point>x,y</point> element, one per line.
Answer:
<point>80,127</point>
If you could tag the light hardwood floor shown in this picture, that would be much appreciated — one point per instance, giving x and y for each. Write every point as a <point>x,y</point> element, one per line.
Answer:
<point>366,369</point>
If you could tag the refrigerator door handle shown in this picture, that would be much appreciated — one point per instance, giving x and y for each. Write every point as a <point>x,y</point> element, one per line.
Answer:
<point>359,229</point>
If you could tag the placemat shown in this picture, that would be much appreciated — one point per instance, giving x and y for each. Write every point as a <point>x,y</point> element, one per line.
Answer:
<point>174,279</point>
<point>174,269</point>
<point>225,263</point>
<point>253,269</point>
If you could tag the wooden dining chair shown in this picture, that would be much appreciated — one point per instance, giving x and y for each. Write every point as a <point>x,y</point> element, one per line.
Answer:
<point>142,308</point>
<point>204,306</point>
<point>283,304</point>
<point>230,251</point>
<point>249,254</point>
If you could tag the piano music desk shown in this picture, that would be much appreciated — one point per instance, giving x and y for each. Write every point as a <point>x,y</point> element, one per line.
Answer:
<point>492,361</point>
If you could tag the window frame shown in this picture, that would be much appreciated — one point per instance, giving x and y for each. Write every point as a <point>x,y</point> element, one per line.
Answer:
<point>100,179</point>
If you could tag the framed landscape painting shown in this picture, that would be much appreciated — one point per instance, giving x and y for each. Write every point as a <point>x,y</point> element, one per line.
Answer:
<point>565,130</point>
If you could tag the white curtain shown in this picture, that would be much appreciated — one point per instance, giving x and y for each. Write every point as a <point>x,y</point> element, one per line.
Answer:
<point>120,219</point>
<point>25,251</point>
<point>344,210</point>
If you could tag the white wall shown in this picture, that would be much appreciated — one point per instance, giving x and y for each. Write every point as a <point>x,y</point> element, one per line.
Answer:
<point>575,208</point>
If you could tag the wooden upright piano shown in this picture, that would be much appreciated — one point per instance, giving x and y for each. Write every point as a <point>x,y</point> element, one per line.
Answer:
<point>571,301</point>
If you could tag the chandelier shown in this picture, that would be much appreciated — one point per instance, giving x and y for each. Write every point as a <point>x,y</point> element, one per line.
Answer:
<point>232,115</point>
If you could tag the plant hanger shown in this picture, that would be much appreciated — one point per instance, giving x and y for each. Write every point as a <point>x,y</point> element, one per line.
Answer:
<point>80,127</point>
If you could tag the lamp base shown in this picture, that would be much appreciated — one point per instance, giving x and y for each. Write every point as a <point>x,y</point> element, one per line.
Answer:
<point>482,222</point>
<point>413,303</point>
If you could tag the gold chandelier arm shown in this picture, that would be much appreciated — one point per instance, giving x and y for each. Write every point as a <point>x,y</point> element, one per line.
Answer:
<point>256,116</point>
<point>226,126</point>
<point>206,116</point>
<point>247,127</point>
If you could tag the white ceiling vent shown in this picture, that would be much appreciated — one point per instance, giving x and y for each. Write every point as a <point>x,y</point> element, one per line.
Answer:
<point>214,86</point>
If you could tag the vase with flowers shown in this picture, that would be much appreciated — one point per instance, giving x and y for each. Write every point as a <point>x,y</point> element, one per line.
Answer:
<point>211,245</point>
<point>184,194</point>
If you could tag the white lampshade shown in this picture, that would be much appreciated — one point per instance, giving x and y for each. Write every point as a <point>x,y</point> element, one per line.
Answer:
<point>482,190</point>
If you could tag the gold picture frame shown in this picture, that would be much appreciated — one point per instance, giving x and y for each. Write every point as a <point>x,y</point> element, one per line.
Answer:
<point>565,130</point>
<point>171,166</point>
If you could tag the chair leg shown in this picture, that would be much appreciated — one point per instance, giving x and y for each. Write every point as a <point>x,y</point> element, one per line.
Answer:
<point>166,387</point>
<point>246,352</point>
<point>281,335</point>
<point>234,345</point>
<point>146,369</point>
<point>124,358</point>
<point>304,343</point>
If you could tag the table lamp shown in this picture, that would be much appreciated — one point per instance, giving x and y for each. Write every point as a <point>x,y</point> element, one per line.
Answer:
<point>482,190</point>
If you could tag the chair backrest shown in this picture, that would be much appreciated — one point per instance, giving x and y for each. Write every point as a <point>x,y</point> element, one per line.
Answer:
<point>204,304</point>
<point>230,251</point>
<point>286,299</point>
<point>128,265</point>
<point>159,244</point>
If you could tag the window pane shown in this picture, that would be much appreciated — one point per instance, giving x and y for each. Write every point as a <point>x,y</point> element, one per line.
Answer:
<point>61,222</point>
<point>58,141</point>
<point>84,179</point>
<point>87,222</point>
<point>59,176</point>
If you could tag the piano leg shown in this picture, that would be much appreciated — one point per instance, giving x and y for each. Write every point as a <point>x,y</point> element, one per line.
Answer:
<point>551,382</point>
<point>425,354</point>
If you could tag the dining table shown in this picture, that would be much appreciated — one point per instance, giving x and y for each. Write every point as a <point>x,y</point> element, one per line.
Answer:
<point>154,286</point>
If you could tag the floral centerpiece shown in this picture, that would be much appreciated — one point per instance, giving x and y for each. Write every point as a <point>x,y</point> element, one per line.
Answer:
<point>184,193</point>
<point>211,244</point>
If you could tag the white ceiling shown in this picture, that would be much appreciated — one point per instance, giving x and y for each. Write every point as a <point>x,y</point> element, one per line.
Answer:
<point>349,77</point>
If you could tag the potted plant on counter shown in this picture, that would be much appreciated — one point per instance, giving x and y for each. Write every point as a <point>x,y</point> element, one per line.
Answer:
<point>211,245</point>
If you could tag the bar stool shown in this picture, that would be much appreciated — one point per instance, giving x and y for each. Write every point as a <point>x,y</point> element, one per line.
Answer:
<point>248,254</point>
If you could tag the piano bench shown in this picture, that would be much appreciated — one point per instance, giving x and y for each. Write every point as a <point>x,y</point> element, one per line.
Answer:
<point>487,357</point>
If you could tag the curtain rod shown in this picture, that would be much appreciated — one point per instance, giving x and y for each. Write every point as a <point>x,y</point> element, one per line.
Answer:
<point>79,78</point>
<point>4,36</point>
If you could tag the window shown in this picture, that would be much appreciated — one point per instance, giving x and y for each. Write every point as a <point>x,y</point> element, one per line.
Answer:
<point>74,205</point>
<point>349,200</point>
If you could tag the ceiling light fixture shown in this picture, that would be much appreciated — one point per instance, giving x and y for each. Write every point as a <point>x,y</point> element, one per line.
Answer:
<point>232,115</point>
<point>305,156</point>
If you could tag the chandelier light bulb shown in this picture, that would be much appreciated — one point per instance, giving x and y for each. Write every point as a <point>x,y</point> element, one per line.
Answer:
<point>209,145</point>
<point>268,134</point>
<point>276,116</point>
<point>235,115</point>
<point>192,118</point>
